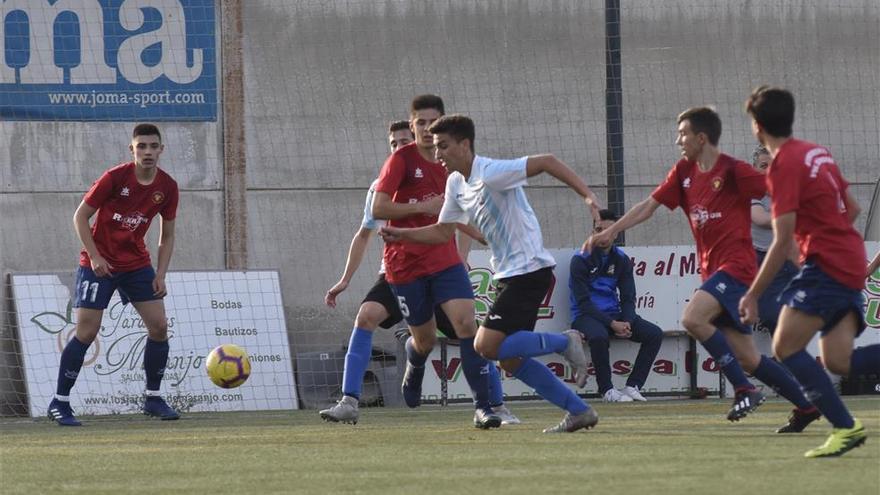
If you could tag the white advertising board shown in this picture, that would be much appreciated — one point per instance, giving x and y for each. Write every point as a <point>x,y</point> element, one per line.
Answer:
<point>204,309</point>
<point>665,278</point>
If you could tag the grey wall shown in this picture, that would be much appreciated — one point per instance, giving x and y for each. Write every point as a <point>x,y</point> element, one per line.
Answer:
<point>324,77</point>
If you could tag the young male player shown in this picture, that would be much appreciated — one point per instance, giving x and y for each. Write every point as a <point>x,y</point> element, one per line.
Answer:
<point>114,257</point>
<point>423,277</point>
<point>811,201</point>
<point>715,191</point>
<point>769,305</point>
<point>380,308</point>
<point>490,193</point>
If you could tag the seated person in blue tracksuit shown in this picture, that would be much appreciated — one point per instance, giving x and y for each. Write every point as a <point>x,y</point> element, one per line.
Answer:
<point>603,295</point>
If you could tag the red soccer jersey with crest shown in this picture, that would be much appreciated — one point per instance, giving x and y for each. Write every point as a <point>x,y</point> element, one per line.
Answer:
<point>804,179</point>
<point>718,207</point>
<point>409,178</point>
<point>125,210</point>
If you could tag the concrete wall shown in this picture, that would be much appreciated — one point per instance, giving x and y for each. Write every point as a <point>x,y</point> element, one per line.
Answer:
<point>324,77</point>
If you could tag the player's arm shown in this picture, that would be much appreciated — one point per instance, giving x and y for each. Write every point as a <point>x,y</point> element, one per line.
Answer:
<point>386,209</point>
<point>873,265</point>
<point>551,165</point>
<point>636,215</point>
<point>356,250</point>
<point>761,217</point>
<point>853,209</point>
<point>437,233</point>
<point>81,225</point>
<point>783,236</point>
<point>166,247</point>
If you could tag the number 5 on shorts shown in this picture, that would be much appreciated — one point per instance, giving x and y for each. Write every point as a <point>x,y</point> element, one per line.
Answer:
<point>401,301</point>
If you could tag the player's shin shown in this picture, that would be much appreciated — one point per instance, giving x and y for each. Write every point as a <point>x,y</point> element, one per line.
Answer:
<point>71,362</point>
<point>155,360</point>
<point>476,372</point>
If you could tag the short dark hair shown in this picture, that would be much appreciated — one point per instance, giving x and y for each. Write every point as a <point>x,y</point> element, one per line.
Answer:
<point>398,125</point>
<point>422,102</point>
<point>456,125</point>
<point>705,120</point>
<point>607,214</point>
<point>773,109</point>
<point>146,130</point>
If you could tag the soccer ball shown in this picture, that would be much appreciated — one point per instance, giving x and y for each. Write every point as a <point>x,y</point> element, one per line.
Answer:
<point>228,366</point>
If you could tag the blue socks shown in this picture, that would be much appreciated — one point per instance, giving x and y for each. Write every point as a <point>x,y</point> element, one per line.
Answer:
<point>71,362</point>
<point>476,372</point>
<point>528,344</point>
<point>360,351</point>
<point>496,392</point>
<point>545,383</point>
<point>155,360</point>
<point>865,361</point>
<point>412,356</point>
<point>818,388</point>
<point>718,348</point>
<point>779,378</point>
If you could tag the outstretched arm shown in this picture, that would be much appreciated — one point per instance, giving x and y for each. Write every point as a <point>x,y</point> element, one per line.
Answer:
<point>636,215</point>
<point>386,209</point>
<point>551,165</point>
<point>437,233</point>
<point>359,243</point>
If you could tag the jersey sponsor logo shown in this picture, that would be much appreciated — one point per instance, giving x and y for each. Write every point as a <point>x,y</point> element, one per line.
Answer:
<point>717,183</point>
<point>130,222</point>
<point>700,215</point>
<point>124,192</point>
<point>686,183</point>
<point>158,197</point>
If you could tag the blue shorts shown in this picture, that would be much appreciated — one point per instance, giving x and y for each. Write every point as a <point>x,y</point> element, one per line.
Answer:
<point>727,291</point>
<point>814,292</point>
<point>94,292</point>
<point>417,299</point>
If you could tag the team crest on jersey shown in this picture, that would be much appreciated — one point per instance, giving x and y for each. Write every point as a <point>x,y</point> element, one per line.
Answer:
<point>158,197</point>
<point>124,191</point>
<point>419,174</point>
<point>717,183</point>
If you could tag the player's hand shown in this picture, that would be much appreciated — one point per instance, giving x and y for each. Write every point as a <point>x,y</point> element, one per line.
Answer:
<point>748,308</point>
<point>605,237</point>
<point>330,297</point>
<point>432,206</point>
<point>621,329</point>
<point>101,267</point>
<point>594,207</point>
<point>159,289</point>
<point>390,234</point>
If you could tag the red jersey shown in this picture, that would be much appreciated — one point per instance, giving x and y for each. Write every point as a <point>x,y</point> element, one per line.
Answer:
<point>125,210</point>
<point>718,206</point>
<point>409,178</point>
<point>804,179</point>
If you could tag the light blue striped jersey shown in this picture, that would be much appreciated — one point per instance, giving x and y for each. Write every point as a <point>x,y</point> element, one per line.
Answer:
<point>494,200</point>
<point>368,222</point>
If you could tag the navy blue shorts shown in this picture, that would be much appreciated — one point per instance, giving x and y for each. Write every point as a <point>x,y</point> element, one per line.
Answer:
<point>417,299</point>
<point>814,292</point>
<point>727,291</point>
<point>94,292</point>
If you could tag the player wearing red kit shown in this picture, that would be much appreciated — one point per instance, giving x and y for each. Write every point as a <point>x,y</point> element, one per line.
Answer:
<point>715,192</point>
<point>812,203</point>
<point>114,257</point>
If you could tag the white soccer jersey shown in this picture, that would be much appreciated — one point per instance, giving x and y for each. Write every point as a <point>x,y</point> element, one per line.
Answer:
<point>493,198</point>
<point>368,222</point>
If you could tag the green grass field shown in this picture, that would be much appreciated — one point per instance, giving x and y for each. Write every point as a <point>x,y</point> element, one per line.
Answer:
<point>660,447</point>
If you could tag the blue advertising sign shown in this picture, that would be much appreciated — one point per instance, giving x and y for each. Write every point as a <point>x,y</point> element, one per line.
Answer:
<point>108,60</point>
